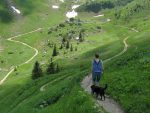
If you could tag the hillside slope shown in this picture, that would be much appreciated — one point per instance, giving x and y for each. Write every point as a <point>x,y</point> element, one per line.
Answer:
<point>127,74</point>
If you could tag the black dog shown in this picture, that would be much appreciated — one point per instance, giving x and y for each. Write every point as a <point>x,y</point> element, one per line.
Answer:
<point>99,90</point>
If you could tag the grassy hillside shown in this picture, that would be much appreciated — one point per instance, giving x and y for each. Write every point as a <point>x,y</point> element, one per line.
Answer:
<point>134,8</point>
<point>127,76</point>
<point>33,15</point>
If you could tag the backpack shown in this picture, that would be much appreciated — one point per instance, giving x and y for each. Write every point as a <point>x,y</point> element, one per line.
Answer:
<point>97,66</point>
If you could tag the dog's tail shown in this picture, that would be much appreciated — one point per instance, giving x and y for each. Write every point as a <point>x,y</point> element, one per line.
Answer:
<point>105,86</point>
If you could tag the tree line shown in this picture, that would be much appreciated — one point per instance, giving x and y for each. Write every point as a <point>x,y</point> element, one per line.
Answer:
<point>96,6</point>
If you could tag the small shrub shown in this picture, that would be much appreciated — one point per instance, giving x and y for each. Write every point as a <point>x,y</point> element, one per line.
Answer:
<point>61,25</point>
<point>21,52</point>
<point>71,19</point>
<point>2,61</point>
<point>10,52</point>
<point>49,32</point>
<point>98,27</point>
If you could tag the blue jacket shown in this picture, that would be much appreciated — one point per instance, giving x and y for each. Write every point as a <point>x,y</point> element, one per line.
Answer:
<point>97,66</point>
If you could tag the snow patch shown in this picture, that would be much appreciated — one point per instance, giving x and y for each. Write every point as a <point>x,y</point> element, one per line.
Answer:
<point>99,15</point>
<point>71,14</point>
<point>55,6</point>
<point>15,10</point>
<point>75,6</point>
<point>61,0</point>
<point>77,38</point>
<point>108,20</point>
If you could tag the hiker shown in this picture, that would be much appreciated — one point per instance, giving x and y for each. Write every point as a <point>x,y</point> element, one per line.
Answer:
<point>97,69</point>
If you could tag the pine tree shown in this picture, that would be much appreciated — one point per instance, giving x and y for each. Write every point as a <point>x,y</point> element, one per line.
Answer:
<point>63,40</point>
<point>57,68</point>
<point>61,46</point>
<point>51,68</point>
<point>71,48</point>
<point>76,49</point>
<point>80,37</point>
<point>37,71</point>
<point>54,51</point>
<point>67,45</point>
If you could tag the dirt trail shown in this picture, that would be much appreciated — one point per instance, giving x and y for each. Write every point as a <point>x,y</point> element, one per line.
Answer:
<point>12,40</point>
<point>42,88</point>
<point>109,104</point>
<point>132,29</point>
<point>1,49</point>
<point>119,54</point>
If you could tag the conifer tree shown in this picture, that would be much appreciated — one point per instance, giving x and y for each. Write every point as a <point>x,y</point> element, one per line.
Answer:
<point>71,48</point>
<point>80,37</point>
<point>67,45</point>
<point>54,51</point>
<point>75,48</point>
<point>61,46</point>
<point>51,68</point>
<point>37,71</point>
<point>63,40</point>
<point>57,68</point>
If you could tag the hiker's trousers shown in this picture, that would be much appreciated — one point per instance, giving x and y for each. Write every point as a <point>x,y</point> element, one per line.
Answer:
<point>96,76</point>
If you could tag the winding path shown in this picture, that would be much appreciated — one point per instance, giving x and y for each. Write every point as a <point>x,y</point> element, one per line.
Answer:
<point>132,29</point>
<point>109,104</point>
<point>29,60</point>
<point>119,54</point>
<point>42,88</point>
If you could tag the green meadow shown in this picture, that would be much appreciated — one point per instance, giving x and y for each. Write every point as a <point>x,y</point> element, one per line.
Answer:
<point>127,75</point>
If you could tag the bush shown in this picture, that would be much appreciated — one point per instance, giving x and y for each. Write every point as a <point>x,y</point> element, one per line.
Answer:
<point>2,61</point>
<point>71,19</point>
<point>61,25</point>
<point>10,52</point>
<point>49,32</point>
<point>98,27</point>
